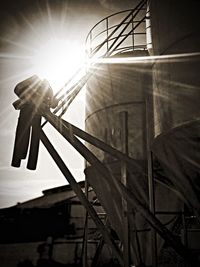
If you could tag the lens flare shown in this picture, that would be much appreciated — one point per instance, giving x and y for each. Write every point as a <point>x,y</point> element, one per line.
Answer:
<point>57,60</point>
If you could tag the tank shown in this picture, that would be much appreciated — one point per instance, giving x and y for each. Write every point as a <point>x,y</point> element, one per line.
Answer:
<point>117,88</point>
<point>175,35</point>
<point>157,97</point>
<point>113,90</point>
<point>175,31</point>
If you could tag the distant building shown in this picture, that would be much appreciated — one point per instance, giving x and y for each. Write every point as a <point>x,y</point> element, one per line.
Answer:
<point>50,227</point>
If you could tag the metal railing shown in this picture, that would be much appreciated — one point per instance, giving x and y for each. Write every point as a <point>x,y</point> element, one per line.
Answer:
<point>120,32</point>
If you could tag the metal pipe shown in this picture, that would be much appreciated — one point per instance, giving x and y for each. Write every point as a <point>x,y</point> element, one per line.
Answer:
<point>22,136</point>
<point>151,183</point>
<point>85,234</point>
<point>35,141</point>
<point>124,176</point>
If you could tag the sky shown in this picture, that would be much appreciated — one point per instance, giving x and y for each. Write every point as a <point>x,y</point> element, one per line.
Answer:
<point>26,26</point>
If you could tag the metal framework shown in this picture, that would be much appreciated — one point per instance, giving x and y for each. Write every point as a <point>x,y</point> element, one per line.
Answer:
<point>65,129</point>
<point>114,37</point>
<point>29,114</point>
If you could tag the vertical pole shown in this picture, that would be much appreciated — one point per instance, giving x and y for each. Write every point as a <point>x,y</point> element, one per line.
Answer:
<point>34,144</point>
<point>152,207</point>
<point>124,141</point>
<point>151,185</point>
<point>185,239</point>
<point>133,41</point>
<point>85,241</point>
<point>22,136</point>
<point>107,33</point>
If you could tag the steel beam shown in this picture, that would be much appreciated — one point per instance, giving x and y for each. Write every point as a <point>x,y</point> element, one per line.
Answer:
<point>101,145</point>
<point>131,198</point>
<point>151,182</point>
<point>77,189</point>
<point>124,176</point>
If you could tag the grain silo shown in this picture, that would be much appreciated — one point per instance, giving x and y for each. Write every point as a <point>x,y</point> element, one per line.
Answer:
<point>176,37</point>
<point>143,101</point>
<point>142,133</point>
<point>118,102</point>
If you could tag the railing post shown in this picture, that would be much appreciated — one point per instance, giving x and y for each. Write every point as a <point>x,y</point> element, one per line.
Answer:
<point>124,177</point>
<point>107,34</point>
<point>133,40</point>
<point>85,240</point>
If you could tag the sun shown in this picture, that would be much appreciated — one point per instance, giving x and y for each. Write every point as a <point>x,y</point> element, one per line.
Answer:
<point>57,60</point>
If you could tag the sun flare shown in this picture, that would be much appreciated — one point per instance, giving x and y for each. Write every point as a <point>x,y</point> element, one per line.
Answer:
<point>57,60</point>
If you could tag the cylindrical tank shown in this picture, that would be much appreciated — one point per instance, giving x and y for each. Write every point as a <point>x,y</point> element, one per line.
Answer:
<point>175,30</point>
<point>115,88</point>
<point>176,84</point>
<point>112,90</point>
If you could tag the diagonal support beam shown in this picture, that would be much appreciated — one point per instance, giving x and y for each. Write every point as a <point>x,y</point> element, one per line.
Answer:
<point>77,189</point>
<point>131,198</point>
<point>101,145</point>
<point>131,164</point>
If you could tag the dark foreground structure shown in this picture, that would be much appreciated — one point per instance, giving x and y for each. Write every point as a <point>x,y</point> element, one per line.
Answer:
<point>142,134</point>
<point>48,231</point>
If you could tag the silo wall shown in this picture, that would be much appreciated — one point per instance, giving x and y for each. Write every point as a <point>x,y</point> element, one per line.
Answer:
<point>175,31</point>
<point>116,88</point>
<point>112,90</point>
<point>120,88</point>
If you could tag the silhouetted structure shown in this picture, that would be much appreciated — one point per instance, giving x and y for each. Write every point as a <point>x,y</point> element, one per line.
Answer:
<point>142,127</point>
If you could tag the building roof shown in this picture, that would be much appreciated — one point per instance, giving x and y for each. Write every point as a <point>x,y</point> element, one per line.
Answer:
<point>51,197</point>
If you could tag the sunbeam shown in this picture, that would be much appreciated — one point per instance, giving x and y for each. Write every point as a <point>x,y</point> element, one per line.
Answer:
<point>146,59</point>
<point>57,60</point>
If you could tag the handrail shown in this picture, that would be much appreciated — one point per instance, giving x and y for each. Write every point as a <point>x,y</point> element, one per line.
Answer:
<point>122,31</point>
<point>132,12</point>
<point>126,10</point>
<point>115,47</point>
<point>128,34</point>
<point>112,28</point>
<point>115,30</point>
